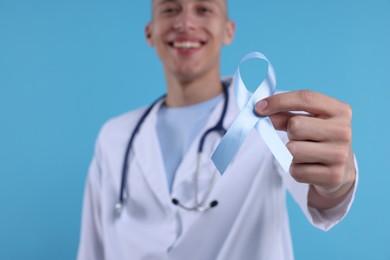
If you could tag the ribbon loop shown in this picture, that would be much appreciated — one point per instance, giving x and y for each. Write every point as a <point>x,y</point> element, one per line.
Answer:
<point>247,119</point>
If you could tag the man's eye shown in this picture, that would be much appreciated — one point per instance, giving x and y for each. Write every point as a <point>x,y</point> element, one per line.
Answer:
<point>204,10</point>
<point>170,10</point>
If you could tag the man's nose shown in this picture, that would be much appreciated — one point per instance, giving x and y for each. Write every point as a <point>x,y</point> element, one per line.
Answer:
<point>185,21</point>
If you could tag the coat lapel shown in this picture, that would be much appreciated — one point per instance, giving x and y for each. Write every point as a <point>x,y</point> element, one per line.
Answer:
<point>147,154</point>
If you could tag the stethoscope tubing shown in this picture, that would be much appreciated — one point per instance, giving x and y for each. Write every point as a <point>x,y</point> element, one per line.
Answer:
<point>218,128</point>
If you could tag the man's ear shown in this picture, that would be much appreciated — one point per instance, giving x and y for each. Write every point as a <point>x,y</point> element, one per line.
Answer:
<point>148,34</point>
<point>230,31</point>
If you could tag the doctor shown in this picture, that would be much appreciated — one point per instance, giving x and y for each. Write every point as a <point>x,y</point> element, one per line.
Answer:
<point>150,194</point>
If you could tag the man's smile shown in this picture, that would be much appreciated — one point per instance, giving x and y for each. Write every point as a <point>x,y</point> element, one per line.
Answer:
<point>186,44</point>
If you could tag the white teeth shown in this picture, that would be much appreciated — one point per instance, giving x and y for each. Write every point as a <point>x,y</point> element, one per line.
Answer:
<point>186,45</point>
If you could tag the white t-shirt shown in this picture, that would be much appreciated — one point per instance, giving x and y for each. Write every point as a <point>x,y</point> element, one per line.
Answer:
<point>177,128</point>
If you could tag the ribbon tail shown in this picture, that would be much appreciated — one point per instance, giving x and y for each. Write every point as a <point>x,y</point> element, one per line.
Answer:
<point>268,133</point>
<point>232,140</point>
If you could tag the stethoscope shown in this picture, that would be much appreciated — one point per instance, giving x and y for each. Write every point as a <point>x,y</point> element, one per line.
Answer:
<point>199,206</point>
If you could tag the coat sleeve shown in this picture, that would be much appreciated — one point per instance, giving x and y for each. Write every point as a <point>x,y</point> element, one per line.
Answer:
<point>322,219</point>
<point>91,237</point>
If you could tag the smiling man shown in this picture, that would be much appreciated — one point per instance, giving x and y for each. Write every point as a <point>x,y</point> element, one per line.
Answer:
<point>152,191</point>
<point>188,36</point>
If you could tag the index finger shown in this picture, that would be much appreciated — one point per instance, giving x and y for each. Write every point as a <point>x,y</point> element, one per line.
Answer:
<point>303,100</point>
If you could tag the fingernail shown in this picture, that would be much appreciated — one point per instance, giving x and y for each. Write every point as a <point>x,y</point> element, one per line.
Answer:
<point>261,106</point>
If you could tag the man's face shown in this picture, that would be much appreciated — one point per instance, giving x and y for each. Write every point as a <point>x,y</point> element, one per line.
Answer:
<point>188,35</point>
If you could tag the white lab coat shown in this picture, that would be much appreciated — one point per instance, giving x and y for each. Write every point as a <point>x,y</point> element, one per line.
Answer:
<point>250,221</point>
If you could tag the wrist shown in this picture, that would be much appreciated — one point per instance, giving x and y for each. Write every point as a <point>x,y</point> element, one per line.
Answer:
<point>322,198</point>
<point>334,194</point>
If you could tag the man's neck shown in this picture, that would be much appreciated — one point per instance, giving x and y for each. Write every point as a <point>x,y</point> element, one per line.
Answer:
<point>189,92</point>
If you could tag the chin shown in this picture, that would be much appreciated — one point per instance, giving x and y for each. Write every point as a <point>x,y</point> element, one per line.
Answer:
<point>186,77</point>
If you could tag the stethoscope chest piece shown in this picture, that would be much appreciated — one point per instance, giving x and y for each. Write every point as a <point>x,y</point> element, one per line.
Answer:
<point>118,208</point>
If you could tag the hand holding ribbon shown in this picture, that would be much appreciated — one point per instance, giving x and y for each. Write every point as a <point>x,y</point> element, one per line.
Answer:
<point>320,141</point>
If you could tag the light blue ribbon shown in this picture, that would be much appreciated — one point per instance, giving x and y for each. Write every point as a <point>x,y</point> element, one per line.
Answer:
<point>247,119</point>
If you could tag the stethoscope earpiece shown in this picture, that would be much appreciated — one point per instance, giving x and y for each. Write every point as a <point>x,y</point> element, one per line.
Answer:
<point>198,206</point>
<point>214,203</point>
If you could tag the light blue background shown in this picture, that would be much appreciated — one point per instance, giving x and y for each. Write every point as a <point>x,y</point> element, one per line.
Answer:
<point>68,66</point>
